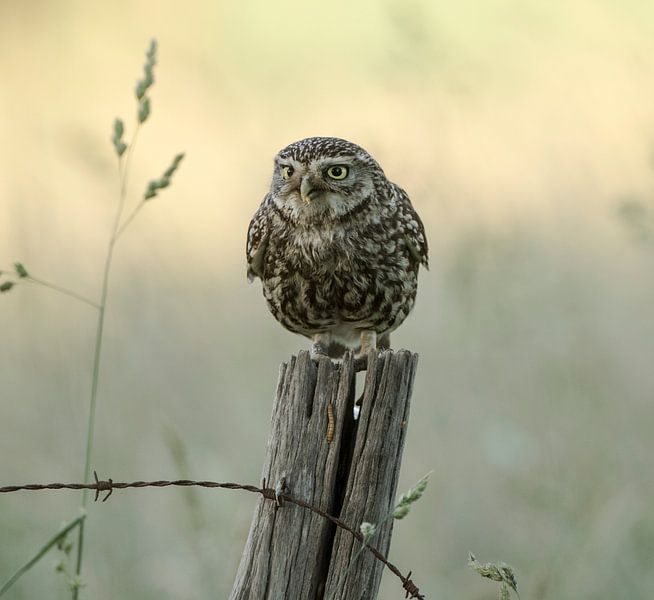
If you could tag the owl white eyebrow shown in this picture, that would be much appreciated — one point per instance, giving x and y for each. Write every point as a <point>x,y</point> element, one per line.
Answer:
<point>340,159</point>
<point>348,161</point>
<point>288,162</point>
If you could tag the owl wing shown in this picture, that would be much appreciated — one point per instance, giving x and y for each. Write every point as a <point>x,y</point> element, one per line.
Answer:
<point>257,242</point>
<point>412,228</point>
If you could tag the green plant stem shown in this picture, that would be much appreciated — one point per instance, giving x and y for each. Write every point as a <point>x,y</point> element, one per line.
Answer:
<point>120,228</point>
<point>129,219</point>
<point>43,550</point>
<point>406,500</point>
<point>360,549</point>
<point>123,174</point>
<point>61,290</point>
<point>366,541</point>
<point>52,286</point>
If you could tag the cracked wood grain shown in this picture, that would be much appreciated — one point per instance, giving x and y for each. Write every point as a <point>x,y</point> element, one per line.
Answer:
<point>295,555</point>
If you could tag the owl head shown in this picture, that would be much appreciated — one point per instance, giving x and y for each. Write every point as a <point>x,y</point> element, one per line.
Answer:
<point>320,177</point>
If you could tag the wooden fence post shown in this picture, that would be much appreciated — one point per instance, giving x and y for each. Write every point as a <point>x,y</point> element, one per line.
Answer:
<point>291,553</point>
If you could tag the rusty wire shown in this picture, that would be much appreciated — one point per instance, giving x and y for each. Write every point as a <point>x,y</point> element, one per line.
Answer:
<point>109,485</point>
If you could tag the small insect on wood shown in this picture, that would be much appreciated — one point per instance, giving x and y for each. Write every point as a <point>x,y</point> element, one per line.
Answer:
<point>331,423</point>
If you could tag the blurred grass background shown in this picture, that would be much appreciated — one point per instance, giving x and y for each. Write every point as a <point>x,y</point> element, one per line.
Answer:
<point>524,133</point>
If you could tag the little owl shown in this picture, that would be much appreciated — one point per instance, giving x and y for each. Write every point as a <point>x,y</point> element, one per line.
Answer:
<point>337,247</point>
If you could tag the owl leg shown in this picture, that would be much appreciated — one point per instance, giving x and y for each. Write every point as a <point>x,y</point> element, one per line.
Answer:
<point>320,346</point>
<point>368,342</point>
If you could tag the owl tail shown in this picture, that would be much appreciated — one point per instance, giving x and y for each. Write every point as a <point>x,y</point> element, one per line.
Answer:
<point>336,350</point>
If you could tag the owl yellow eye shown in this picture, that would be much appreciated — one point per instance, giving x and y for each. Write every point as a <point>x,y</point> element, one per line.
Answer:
<point>287,171</point>
<point>337,172</point>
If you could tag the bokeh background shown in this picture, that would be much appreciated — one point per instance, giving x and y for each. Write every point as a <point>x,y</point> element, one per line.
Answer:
<point>524,133</point>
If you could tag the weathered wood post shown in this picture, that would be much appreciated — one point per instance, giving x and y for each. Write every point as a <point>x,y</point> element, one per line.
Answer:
<point>291,553</point>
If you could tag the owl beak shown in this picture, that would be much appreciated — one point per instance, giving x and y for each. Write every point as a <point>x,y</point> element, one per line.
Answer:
<point>307,191</point>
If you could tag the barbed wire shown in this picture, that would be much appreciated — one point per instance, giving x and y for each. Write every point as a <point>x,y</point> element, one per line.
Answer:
<point>277,496</point>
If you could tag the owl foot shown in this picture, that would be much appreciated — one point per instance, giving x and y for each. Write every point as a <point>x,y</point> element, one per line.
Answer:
<point>318,351</point>
<point>320,346</point>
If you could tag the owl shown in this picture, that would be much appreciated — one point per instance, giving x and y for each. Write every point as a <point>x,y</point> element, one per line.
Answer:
<point>337,247</point>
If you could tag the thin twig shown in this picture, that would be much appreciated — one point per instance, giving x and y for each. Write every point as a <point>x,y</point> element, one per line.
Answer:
<point>109,486</point>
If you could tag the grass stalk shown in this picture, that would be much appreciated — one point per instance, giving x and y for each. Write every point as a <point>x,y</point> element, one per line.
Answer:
<point>399,511</point>
<point>62,290</point>
<point>123,173</point>
<point>130,218</point>
<point>20,273</point>
<point>42,551</point>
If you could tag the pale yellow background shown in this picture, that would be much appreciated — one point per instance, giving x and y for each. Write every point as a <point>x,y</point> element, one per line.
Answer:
<point>517,127</point>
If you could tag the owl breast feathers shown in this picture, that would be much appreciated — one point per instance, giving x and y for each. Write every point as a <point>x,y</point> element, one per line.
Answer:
<point>336,245</point>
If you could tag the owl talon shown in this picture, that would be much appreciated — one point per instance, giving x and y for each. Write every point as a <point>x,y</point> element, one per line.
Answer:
<point>318,351</point>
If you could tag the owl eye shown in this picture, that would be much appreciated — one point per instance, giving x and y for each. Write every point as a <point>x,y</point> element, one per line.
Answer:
<point>287,171</point>
<point>337,172</point>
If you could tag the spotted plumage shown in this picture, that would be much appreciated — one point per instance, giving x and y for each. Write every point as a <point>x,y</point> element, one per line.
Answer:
<point>336,245</point>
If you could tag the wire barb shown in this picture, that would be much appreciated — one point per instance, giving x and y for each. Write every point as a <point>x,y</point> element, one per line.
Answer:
<point>280,488</point>
<point>101,486</point>
<point>412,590</point>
